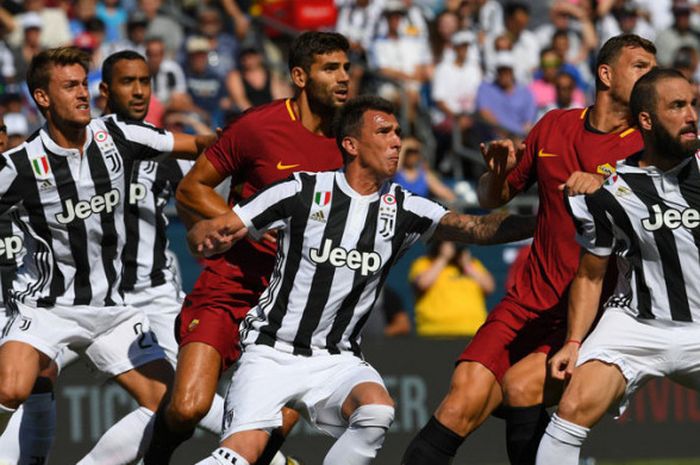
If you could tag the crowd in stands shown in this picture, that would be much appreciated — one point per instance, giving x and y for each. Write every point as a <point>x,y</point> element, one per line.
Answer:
<point>462,71</point>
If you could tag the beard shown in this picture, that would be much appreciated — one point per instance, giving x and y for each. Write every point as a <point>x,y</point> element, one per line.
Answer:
<point>321,99</point>
<point>671,145</point>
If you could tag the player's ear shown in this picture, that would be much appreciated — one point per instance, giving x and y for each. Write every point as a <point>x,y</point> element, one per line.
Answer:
<point>299,77</point>
<point>605,74</point>
<point>41,97</point>
<point>104,90</point>
<point>644,120</point>
<point>349,143</point>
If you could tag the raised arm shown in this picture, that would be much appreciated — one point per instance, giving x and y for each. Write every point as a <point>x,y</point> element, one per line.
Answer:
<point>501,156</point>
<point>494,228</point>
<point>584,298</point>
<point>196,197</point>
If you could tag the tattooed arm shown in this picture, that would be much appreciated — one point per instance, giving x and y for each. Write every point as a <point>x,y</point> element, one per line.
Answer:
<point>494,228</point>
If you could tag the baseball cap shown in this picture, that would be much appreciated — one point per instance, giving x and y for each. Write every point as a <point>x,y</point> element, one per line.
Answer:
<point>17,124</point>
<point>137,18</point>
<point>32,20</point>
<point>504,59</point>
<point>463,37</point>
<point>197,44</point>
<point>394,6</point>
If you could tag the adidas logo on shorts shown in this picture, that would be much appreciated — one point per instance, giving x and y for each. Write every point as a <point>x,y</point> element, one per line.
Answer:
<point>318,216</point>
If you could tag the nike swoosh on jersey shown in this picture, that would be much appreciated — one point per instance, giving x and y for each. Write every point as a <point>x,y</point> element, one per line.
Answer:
<point>543,154</point>
<point>280,166</point>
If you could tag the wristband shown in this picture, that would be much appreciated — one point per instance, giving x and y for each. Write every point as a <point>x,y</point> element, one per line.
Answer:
<point>574,341</point>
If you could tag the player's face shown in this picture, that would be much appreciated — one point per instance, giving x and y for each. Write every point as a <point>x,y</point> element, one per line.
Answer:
<point>633,63</point>
<point>328,80</point>
<point>3,135</point>
<point>129,92</point>
<point>66,98</point>
<point>675,121</point>
<point>379,143</point>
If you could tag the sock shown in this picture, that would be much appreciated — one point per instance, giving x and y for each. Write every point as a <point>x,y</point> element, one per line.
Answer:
<point>278,459</point>
<point>524,429</point>
<point>214,418</point>
<point>363,438</point>
<point>10,439</point>
<point>561,443</point>
<point>224,456</point>
<point>435,444</point>
<point>124,442</point>
<point>272,448</point>
<point>164,440</point>
<point>5,415</point>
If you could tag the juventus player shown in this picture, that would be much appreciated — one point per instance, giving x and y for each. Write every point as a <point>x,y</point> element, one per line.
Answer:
<point>505,364</point>
<point>339,234</point>
<point>647,215</point>
<point>64,188</point>
<point>149,277</point>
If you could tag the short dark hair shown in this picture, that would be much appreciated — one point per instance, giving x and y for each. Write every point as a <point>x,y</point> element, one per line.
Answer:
<point>611,50</point>
<point>39,72</point>
<point>113,59</point>
<point>644,95</point>
<point>511,8</point>
<point>312,43</point>
<point>348,121</point>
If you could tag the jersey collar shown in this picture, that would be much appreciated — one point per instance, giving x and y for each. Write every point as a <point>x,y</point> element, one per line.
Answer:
<point>54,148</point>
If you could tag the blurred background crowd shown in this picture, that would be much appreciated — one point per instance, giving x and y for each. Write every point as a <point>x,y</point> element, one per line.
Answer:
<point>461,72</point>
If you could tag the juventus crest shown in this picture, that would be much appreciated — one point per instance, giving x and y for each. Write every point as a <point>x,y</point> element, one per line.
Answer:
<point>387,216</point>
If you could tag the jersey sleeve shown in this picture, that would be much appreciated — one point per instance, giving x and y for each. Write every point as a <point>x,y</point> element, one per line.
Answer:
<point>146,141</point>
<point>9,194</point>
<point>594,229</point>
<point>226,153</point>
<point>270,208</point>
<point>426,215</point>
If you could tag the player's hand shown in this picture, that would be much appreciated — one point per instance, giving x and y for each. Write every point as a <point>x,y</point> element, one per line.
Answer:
<point>501,156</point>
<point>562,365</point>
<point>269,236</point>
<point>214,236</point>
<point>582,183</point>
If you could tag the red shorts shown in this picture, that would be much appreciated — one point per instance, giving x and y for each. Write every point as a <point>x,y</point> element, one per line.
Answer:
<point>212,312</point>
<point>511,332</point>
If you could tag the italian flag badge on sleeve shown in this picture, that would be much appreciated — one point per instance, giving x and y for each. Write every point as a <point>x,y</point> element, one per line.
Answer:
<point>322,198</point>
<point>41,166</point>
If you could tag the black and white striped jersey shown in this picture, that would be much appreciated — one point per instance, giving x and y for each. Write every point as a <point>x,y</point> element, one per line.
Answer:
<point>151,184</point>
<point>651,221</point>
<point>12,252</point>
<point>334,250</point>
<point>70,210</point>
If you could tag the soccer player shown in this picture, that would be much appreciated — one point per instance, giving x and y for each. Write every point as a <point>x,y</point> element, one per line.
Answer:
<point>149,279</point>
<point>505,363</point>
<point>647,217</point>
<point>64,189</point>
<point>339,234</point>
<point>266,144</point>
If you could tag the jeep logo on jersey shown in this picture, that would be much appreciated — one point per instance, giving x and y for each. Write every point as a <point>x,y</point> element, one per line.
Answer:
<point>366,262</point>
<point>672,219</point>
<point>137,192</point>
<point>85,208</point>
<point>10,247</point>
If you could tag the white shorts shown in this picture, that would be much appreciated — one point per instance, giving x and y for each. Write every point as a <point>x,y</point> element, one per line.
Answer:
<point>644,349</point>
<point>267,380</point>
<point>115,339</point>
<point>161,305</point>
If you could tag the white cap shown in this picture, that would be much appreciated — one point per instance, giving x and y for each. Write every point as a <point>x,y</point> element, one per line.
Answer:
<point>197,44</point>
<point>397,6</point>
<point>17,124</point>
<point>32,19</point>
<point>504,59</point>
<point>463,37</point>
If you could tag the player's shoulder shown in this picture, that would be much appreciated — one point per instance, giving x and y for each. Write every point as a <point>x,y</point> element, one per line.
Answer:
<point>564,117</point>
<point>260,116</point>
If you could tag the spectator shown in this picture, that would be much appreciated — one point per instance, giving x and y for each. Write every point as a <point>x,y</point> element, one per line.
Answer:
<point>17,129</point>
<point>83,11</point>
<point>223,47</point>
<point>8,72</point>
<point>167,76</point>
<point>450,288</point>
<point>668,41</point>
<point>253,84</point>
<point>686,61</point>
<point>136,26</point>
<point>485,17</point>
<point>56,35</point>
<point>525,46</point>
<point>405,60</point>
<point>581,72</point>
<point>507,108</point>
<point>388,318</point>
<point>454,90</point>
<point>357,22</point>
<point>622,17</point>
<point>412,24</point>
<point>160,25</point>
<point>114,15</point>
<point>543,88</point>
<point>203,85</point>
<point>445,26</point>
<point>414,175</point>
<point>575,19</point>
<point>32,27</point>
<point>565,97</point>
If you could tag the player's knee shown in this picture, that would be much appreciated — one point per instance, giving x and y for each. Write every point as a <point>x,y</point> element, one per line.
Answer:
<point>521,391</point>
<point>12,391</point>
<point>570,407</point>
<point>371,422</point>
<point>188,411</point>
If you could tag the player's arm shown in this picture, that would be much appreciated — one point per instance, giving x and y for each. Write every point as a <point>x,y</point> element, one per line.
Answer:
<point>196,197</point>
<point>188,147</point>
<point>584,298</point>
<point>216,235</point>
<point>494,228</point>
<point>501,156</point>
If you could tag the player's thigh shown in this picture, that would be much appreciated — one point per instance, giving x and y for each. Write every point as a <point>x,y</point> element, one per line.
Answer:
<point>20,364</point>
<point>196,375</point>
<point>364,394</point>
<point>527,383</point>
<point>595,386</point>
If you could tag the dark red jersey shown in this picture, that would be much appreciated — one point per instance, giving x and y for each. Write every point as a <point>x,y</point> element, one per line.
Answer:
<point>265,145</point>
<point>560,143</point>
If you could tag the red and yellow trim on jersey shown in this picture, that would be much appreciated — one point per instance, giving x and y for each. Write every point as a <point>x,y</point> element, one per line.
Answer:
<point>583,113</point>
<point>288,104</point>
<point>627,132</point>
